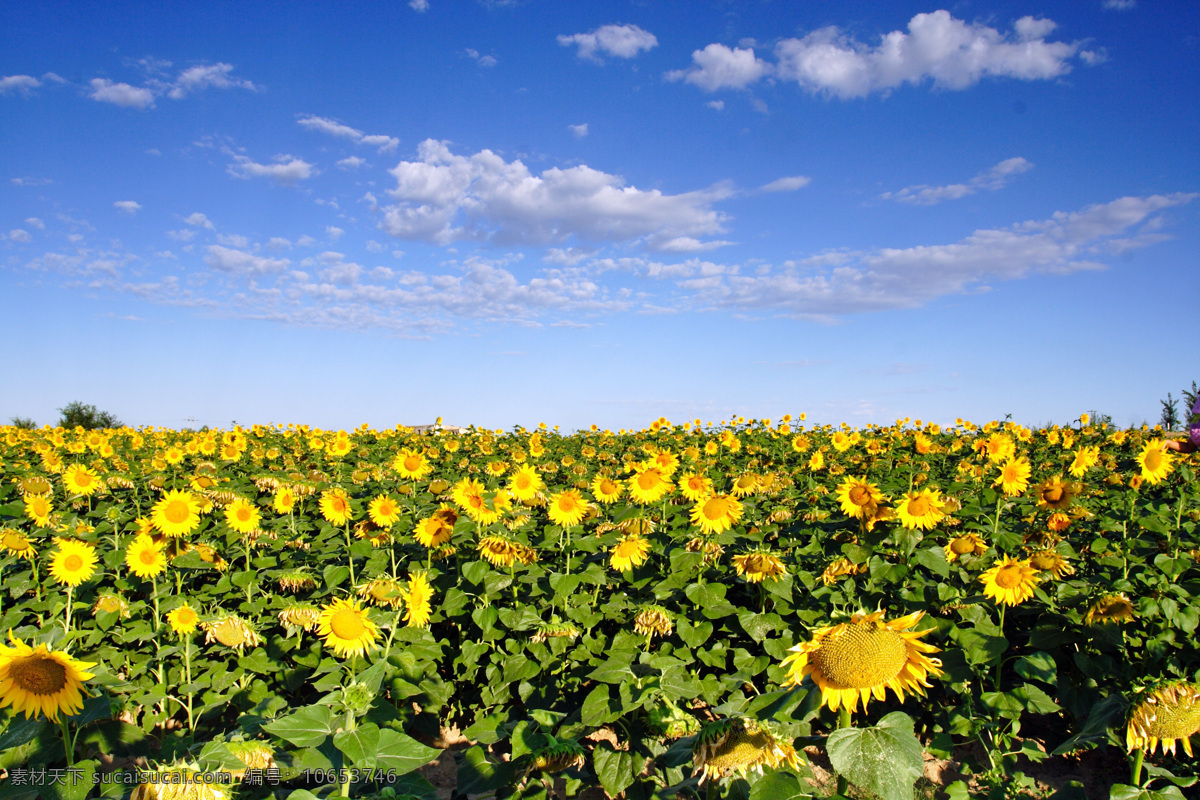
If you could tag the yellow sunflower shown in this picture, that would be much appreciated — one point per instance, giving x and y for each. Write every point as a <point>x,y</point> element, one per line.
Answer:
<point>858,498</point>
<point>525,483</point>
<point>1013,479</point>
<point>1050,561</point>
<point>17,544</point>
<point>145,557</point>
<point>607,490</point>
<point>648,486</point>
<point>433,532</point>
<point>1085,459</point>
<point>38,508</point>
<point>345,627</point>
<point>500,551</point>
<point>384,511</point>
<point>738,745</point>
<point>745,485</point>
<point>1168,715</point>
<point>183,619</point>
<point>967,544</point>
<point>839,568</point>
<point>284,500</point>
<point>231,631</point>
<point>864,657</point>
<point>1109,608</point>
<point>39,681</point>
<point>1054,493</point>
<point>335,506</point>
<point>176,513</point>
<point>73,562</point>
<point>716,513</point>
<point>567,508</point>
<point>920,509</point>
<point>1156,464</point>
<point>759,566</point>
<point>628,553</point>
<point>1010,582</point>
<point>241,515</point>
<point>411,465</point>
<point>417,599</point>
<point>81,480</point>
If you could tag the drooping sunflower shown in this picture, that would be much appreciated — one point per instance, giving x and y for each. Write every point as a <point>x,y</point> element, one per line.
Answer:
<point>176,513</point>
<point>1010,582</point>
<point>73,562</point>
<point>17,544</point>
<point>296,580</point>
<point>1156,464</point>
<point>384,511</point>
<point>525,483</point>
<point>1109,608</point>
<point>1013,479</point>
<point>500,551</point>
<point>345,627</point>
<point>739,745</point>
<point>183,619</point>
<point>385,592</point>
<point>298,617</point>
<point>179,782</point>
<point>1056,494</point>
<point>631,551</point>
<point>648,486</point>
<point>39,681</point>
<point>231,631</point>
<point>1051,561</point>
<point>967,544</point>
<point>864,657</point>
<point>335,506</point>
<point>82,480</point>
<point>417,599</point>
<point>567,508</point>
<point>759,566</point>
<point>38,508</point>
<point>653,621</point>
<point>716,513</point>
<point>921,508</point>
<point>839,568</point>
<point>858,498</point>
<point>241,515</point>
<point>1168,715</point>
<point>1058,522</point>
<point>145,557</point>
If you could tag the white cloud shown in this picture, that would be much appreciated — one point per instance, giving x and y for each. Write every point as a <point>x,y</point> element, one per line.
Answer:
<point>1120,5</point>
<point>234,240</point>
<point>35,222</point>
<point>199,220</point>
<point>620,41</point>
<point>121,94</point>
<point>891,278</point>
<point>719,105</point>
<point>995,178</point>
<point>217,76</point>
<point>419,5</point>
<point>18,235</point>
<point>278,243</point>
<point>688,244</point>
<point>238,261</point>
<point>129,207</point>
<point>333,233</point>
<point>445,197</point>
<point>306,241</point>
<point>182,235</point>
<point>720,67</point>
<point>19,84</point>
<point>386,144</point>
<point>286,170</point>
<point>482,60</point>
<point>789,184</point>
<point>352,162</point>
<point>579,130</point>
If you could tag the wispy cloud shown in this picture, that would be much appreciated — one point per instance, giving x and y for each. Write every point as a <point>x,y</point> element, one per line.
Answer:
<point>386,144</point>
<point>995,178</point>
<point>286,170</point>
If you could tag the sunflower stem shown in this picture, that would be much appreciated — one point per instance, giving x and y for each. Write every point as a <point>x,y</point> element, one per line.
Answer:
<point>67,620</point>
<point>187,678</point>
<point>343,774</point>
<point>1135,772</point>
<point>843,785</point>
<point>349,555</point>
<point>1000,663</point>
<point>69,741</point>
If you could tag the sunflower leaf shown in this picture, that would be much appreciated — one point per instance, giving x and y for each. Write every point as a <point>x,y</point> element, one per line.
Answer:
<point>616,769</point>
<point>308,727</point>
<point>1121,791</point>
<point>779,786</point>
<point>885,759</point>
<point>401,753</point>
<point>76,783</point>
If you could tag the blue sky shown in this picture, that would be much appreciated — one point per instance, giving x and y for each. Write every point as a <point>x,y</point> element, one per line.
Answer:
<point>504,213</point>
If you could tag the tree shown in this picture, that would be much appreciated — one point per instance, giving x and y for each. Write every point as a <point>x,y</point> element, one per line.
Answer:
<point>23,422</point>
<point>88,417</point>
<point>1170,413</point>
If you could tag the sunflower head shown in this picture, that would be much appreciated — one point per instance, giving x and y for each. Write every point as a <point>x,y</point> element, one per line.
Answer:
<point>563,754</point>
<point>1056,494</point>
<point>183,620</point>
<point>232,631</point>
<point>1168,715</point>
<point>109,603</point>
<point>738,745</point>
<point>969,544</point>
<point>1110,608</point>
<point>17,543</point>
<point>1050,561</point>
<point>383,592</point>
<point>73,562</point>
<point>39,681</point>
<point>653,620</point>
<point>631,551</point>
<point>299,617</point>
<point>345,627</point>
<point>839,568</point>
<point>1010,582</point>
<point>551,630</point>
<point>759,565</point>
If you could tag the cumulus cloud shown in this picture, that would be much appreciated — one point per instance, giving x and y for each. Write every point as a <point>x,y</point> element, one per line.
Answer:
<point>619,41</point>
<point>891,278</point>
<point>444,197</point>
<point>286,169</point>
<point>419,5</point>
<point>789,184</point>
<point>936,47</point>
<point>579,130</point>
<point>216,76</point>
<point>121,94</point>
<point>19,84</point>
<point>199,220</point>
<point>352,162</point>
<point>129,207</point>
<point>995,178</point>
<point>19,235</point>
<point>227,259</point>
<point>386,144</point>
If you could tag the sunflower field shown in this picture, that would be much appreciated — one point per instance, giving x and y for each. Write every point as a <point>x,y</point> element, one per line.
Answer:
<point>750,610</point>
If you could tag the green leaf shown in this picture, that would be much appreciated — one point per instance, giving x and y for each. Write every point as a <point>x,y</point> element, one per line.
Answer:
<point>21,731</point>
<point>1120,791</point>
<point>1035,700</point>
<point>779,786</point>
<point>401,753</point>
<point>308,727</point>
<point>477,775</point>
<point>980,648</point>
<point>694,634</point>
<point>934,560</point>
<point>76,784</point>
<point>1105,714</point>
<point>335,576</point>
<point>1038,666</point>
<point>359,745</point>
<point>1006,704</point>
<point>597,707</point>
<point>885,759</point>
<point>616,669</point>
<point>616,769</point>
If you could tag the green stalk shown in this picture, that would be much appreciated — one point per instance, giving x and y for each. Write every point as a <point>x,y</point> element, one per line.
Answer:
<point>1135,773</point>
<point>349,557</point>
<point>343,774</point>
<point>1000,663</point>
<point>69,741</point>
<point>843,785</point>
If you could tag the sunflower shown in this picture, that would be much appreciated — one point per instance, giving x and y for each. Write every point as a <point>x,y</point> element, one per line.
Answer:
<point>1109,608</point>
<point>525,483</point>
<point>843,566</point>
<point>284,499</point>
<point>241,515</point>
<point>1156,464</point>
<point>300,616</point>
<point>145,557</point>
<point>653,620</point>
<point>648,486</point>
<point>1050,561</point>
<point>920,509</point>
<point>383,511</point>
<point>183,620</point>
<point>38,508</point>
<point>863,658</point>
<point>345,627</point>
<point>231,631</point>
<point>1054,493</point>
<point>295,581</point>
<point>417,599</point>
<point>73,562</point>
<point>737,745</point>
<point>746,485</point>
<point>180,782</point>
<point>335,506</point>
<point>998,447</point>
<point>631,551</point>
<point>716,513</point>
<point>606,489</point>
<point>39,681</point>
<point>859,498</point>
<point>967,544</point>
<point>111,604</point>
<point>500,551</point>
<point>411,465</point>
<point>176,513</point>
<point>82,480</point>
<point>567,508</point>
<point>17,544</point>
<point>1085,459</point>
<point>759,566</point>
<point>549,630</point>
<point>1168,715</point>
<point>1058,522</point>
<point>1013,479</point>
<point>563,754</point>
<point>1010,582</point>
